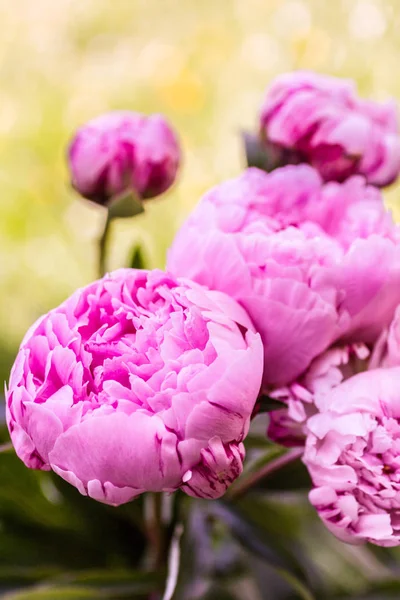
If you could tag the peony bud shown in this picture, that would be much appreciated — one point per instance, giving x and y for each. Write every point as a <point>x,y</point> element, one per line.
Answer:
<point>121,151</point>
<point>320,120</point>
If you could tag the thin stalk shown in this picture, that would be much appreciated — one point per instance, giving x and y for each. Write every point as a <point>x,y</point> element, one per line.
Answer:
<point>155,531</point>
<point>103,242</point>
<point>7,447</point>
<point>156,557</point>
<point>242,487</point>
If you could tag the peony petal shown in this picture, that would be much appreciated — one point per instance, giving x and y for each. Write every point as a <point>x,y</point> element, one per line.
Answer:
<point>127,451</point>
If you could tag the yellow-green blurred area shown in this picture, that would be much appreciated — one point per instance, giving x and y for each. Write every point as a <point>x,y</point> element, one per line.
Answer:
<point>204,64</point>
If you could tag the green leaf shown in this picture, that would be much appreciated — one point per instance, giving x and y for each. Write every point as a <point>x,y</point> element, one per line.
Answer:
<point>219,593</point>
<point>293,476</point>
<point>254,538</point>
<point>389,587</point>
<point>255,461</point>
<point>110,585</point>
<point>380,590</point>
<point>11,576</point>
<point>256,155</point>
<point>140,581</point>
<point>138,260</point>
<point>258,442</point>
<point>270,530</point>
<point>209,554</point>
<point>266,404</point>
<point>265,155</point>
<point>72,593</point>
<point>126,204</point>
<point>38,507</point>
<point>302,591</point>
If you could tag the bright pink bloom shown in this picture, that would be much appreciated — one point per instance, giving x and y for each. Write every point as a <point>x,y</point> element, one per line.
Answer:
<point>386,351</point>
<point>288,426</point>
<point>123,149</point>
<point>353,456</point>
<point>311,263</point>
<point>322,121</point>
<point>138,382</point>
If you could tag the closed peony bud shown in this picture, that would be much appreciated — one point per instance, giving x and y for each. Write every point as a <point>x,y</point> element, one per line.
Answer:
<point>353,456</point>
<point>138,382</point>
<point>321,120</point>
<point>311,263</point>
<point>123,150</point>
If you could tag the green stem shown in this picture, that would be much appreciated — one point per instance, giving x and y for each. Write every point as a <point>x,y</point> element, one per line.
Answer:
<point>7,447</point>
<point>103,246</point>
<point>155,531</point>
<point>279,462</point>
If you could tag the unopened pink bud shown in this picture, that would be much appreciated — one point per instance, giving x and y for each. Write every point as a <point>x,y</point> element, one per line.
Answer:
<point>123,150</point>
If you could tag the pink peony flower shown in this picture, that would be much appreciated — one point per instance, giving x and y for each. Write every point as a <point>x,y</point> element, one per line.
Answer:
<point>353,456</point>
<point>288,426</point>
<point>311,263</point>
<point>386,351</point>
<point>322,121</point>
<point>138,382</point>
<point>123,149</point>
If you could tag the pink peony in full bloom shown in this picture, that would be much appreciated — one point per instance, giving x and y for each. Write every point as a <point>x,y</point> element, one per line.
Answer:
<point>288,426</point>
<point>311,263</point>
<point>138,382</point>
<point>353,456</point>
<point>120,150</point>
<point>321,120</point>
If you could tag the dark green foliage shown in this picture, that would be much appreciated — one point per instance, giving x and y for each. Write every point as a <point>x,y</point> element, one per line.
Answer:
<point>265,545</point>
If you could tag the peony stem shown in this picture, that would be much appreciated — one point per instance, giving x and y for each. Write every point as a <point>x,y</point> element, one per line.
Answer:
<point>103,246</point>
<point>155,530</point>
<point>280,462</point>
<point>6,447</point>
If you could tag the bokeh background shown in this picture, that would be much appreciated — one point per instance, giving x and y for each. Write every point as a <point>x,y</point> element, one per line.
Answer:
<point>203,64</point>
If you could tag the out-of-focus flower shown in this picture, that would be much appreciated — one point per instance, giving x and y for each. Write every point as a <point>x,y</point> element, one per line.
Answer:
<point>386,351</point>
<point>288,426</point>
<point>321,120</point>
<point>304,259</point>
<point>138,382</point>
<point>123,150</point>
<point>353,456</point>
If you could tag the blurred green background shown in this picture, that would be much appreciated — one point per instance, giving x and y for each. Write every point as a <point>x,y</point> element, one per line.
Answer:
<point>203,64</point>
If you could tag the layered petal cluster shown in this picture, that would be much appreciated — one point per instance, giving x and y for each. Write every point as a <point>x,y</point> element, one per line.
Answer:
<point>320,120</point>
<point>386,351</point>
<point>353,456</point>
<point>138,382</point>
<point>311,263</point>
<point>120,150</point>
<point>288,426</point>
